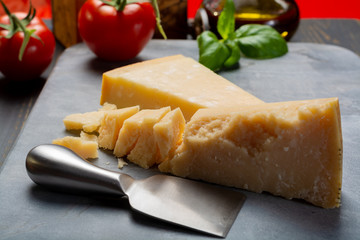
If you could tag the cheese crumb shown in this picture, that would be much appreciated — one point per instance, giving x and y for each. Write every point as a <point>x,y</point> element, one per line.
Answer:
<point>121,163</point>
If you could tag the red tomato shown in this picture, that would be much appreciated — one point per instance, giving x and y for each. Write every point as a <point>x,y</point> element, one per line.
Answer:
<point>116,35</point>
<point>37,55</point>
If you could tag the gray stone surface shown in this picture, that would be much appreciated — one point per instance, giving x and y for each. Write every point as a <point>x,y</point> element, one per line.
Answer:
<point>307,71</point>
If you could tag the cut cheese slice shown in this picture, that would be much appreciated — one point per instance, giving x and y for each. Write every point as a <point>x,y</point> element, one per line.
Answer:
<point>111,124</point>
<point>174,81</point>
<point>291,149</point>
<point>136,137</point>
<point>168,133</point>
<point>85,146</point>
<point>89,122</point>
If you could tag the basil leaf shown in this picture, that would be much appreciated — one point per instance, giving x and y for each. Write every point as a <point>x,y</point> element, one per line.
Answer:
<point>226,21</point>
<point>212,52</point>
<point>260,41</point>
<point>234,55</point>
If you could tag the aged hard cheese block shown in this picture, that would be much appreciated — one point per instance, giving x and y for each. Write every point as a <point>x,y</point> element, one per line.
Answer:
<point>291,149</point>
<point>136,137</point>
<point>111,124</point>
<point>85,146</point>
<point>174,81</point>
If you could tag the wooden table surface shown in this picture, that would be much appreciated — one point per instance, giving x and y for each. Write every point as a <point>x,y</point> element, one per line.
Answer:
<point>17,99</point>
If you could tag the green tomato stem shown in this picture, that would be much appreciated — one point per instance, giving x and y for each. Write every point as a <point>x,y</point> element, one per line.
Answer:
<point>119,5</point>
<point>156,11</point>
<point>158,18</point>
<point>27,34</point>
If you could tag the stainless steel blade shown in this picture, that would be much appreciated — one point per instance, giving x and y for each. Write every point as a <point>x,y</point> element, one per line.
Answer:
<point>192,204</point>
<point>196,205</point>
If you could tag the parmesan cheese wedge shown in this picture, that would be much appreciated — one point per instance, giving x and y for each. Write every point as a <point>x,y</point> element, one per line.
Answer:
<point>174,81</point>
<point>290,149</point>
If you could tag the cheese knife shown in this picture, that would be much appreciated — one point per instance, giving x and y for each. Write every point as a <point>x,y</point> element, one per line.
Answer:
<point>200,206</point>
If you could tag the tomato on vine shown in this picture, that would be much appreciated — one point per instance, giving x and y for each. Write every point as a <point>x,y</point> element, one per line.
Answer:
<point>27,46</point>
<point>118,29</point>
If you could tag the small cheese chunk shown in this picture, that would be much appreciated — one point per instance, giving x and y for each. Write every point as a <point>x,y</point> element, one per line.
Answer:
<point>85,146</point>
<point>136,138</point>
<point>111,124</point>
<point>168,133</point>
<point>174,81</point>
<point>89,122</point>
<point>107,106</point>
<point>291,149</point>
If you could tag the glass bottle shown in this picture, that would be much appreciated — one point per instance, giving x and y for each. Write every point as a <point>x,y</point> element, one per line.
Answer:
<point>283,15</point>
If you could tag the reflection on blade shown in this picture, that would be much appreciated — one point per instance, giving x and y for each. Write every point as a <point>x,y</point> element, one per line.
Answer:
<point>192,204</point>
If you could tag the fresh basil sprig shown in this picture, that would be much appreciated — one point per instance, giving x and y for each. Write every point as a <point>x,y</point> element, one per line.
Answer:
<point>252,40</point>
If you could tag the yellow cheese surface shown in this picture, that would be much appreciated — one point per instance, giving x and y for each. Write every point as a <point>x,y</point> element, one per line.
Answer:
<point>291,149</point>
<point>174,81</point>
<point>136,137</point>
<point>111,124</point>
<point>85,146</point>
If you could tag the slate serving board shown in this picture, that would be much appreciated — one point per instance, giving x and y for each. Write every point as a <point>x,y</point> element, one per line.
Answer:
<point>307,71</point>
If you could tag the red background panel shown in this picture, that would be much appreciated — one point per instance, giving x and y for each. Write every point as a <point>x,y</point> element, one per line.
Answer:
<point>329,8</point>
<point>308,8</point>
<point>43,7</point>
<point>311,8</point>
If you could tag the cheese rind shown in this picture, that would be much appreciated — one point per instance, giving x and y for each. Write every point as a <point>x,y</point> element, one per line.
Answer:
<point>111,124</point>
<point>136,137</point>
<point>291,149</point>
<point>85,146</point>
<point>174,81</point>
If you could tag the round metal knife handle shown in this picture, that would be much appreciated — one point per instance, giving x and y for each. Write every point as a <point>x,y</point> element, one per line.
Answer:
<point>61,169</point>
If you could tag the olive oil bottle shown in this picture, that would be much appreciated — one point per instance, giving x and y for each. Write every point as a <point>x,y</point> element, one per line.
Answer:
<point>283,15</point>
